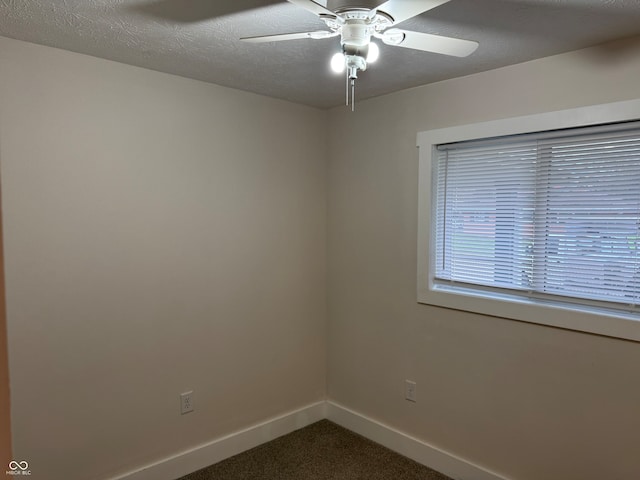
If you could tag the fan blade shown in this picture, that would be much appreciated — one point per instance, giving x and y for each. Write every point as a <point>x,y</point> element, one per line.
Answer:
<point>290,36</point>
<point>429,43</point>
<point>191,11</point>
<point>401,10</point>
<point>313,7</point>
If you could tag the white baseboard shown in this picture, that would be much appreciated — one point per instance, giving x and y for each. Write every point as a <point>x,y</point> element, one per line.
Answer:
<point>411,447</point>
<point>202,456</point>
<point>219,449</point>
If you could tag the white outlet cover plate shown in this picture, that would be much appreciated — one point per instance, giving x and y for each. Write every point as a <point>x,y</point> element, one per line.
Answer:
<point>410,391</point>
<point>186,402</point>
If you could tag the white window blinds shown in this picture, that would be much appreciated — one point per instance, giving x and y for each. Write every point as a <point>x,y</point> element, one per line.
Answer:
<point>544,214</point>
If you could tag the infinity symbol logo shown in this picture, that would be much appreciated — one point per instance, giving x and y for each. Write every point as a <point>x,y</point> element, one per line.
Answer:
<point>13,465</point>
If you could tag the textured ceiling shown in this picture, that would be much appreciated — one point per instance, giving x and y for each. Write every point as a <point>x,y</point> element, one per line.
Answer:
<point>167,35</point>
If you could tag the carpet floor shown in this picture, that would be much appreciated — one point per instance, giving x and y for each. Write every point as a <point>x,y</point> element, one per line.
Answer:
<point>321,451</point>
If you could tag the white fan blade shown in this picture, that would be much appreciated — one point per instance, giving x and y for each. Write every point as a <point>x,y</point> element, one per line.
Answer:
<point>401,10</point>
<point>429,43</point>
<point>313,7</point>
<point>290,36</point>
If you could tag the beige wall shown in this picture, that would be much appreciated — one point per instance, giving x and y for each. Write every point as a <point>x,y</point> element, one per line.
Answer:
<point>527,401</point>
<point>161,235</point>
<point>5,419</point>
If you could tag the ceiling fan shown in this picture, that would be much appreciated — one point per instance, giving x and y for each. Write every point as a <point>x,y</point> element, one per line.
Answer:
<point>356,26</point>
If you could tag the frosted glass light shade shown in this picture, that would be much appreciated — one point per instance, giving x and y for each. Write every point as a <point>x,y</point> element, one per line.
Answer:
<point>337,62</point>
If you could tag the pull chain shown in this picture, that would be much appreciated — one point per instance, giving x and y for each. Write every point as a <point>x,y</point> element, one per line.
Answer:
<point>352,99</point>
<point>347,88</point>
<point>353,95</point>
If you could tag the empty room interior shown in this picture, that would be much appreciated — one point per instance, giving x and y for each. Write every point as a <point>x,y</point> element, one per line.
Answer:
<point>199,216</point>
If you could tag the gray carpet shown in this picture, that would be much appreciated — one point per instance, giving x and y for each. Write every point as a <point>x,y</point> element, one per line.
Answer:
<point>321,451</point>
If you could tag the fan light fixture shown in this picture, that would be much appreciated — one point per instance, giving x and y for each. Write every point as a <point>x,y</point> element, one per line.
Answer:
<point>338,61</point>
<point>353,60</point>
<point>356,26</point>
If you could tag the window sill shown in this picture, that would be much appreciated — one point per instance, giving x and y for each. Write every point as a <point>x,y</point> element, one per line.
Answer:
<point>595,320</point>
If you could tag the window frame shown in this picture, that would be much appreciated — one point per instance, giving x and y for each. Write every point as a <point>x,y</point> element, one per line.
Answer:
<point>579,317</point>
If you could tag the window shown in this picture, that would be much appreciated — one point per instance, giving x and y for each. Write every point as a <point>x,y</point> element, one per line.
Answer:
<point>542,227</point>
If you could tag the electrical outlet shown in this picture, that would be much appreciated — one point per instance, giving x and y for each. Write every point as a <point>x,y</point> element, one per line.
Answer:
<point>186,402</point>
<point>410,391</point>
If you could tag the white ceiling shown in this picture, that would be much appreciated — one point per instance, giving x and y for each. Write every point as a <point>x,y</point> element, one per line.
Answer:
<point>165,35</point>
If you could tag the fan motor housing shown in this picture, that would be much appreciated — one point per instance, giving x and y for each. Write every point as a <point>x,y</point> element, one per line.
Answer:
<point>356,34</point>
<point>337,5</point>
